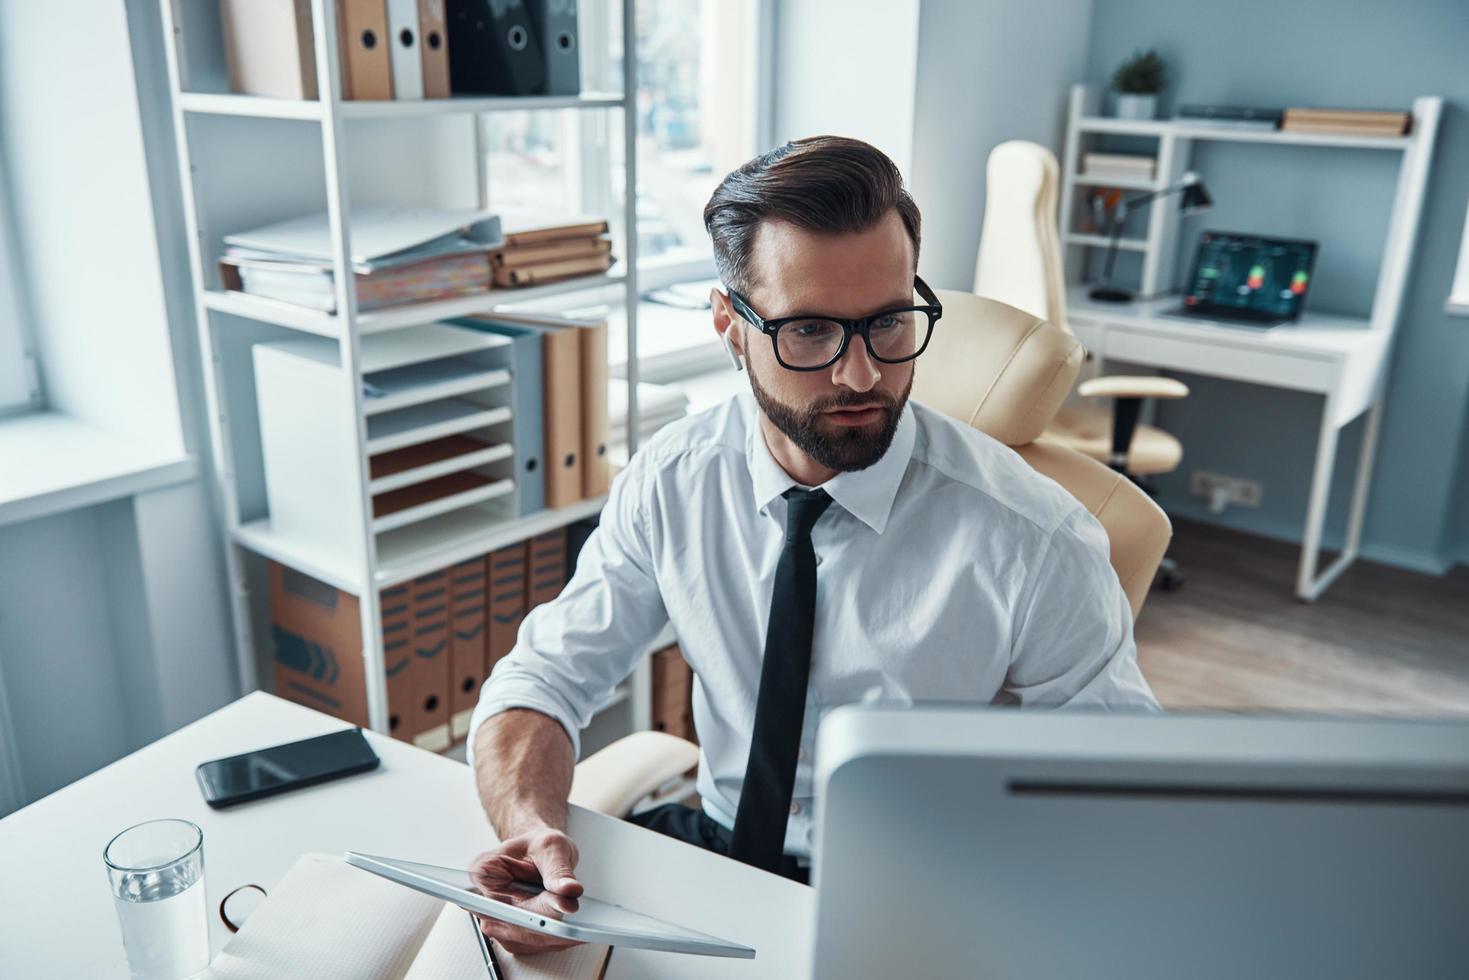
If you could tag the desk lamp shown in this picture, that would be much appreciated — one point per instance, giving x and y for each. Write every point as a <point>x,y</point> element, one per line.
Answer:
<point>1195,200</point>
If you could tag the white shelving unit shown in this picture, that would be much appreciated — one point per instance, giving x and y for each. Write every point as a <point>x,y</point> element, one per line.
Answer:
<point>1344,359</point>
<point>1173,147</point>
<point>245,161</point>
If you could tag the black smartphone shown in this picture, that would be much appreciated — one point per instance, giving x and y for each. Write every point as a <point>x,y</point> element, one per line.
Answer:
<point>266,772</point>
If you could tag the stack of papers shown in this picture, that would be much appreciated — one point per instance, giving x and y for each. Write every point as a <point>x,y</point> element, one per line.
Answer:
<point>545,246</point>
<point>399,255</point>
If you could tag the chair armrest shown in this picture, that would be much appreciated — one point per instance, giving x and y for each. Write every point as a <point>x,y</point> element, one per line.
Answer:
<point>1120,386</point>
<point>613,780</point>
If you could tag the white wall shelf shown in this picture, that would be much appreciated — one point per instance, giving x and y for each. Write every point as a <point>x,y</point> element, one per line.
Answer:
<point>1181,130</point>
<point>1102,241</point>
<point>246,160</point>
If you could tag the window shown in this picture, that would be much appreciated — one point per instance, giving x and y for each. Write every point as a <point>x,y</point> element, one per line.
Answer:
<point>18,389</point>
<point>698,116</point>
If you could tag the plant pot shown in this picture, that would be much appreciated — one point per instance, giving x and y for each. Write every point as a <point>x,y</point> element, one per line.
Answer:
<point>1129,106</point>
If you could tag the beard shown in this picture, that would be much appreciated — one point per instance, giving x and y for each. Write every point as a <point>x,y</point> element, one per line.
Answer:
<point>835,447</point>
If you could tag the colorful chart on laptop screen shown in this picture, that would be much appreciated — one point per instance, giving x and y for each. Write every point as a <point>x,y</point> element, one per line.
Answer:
<point>1250,275</point>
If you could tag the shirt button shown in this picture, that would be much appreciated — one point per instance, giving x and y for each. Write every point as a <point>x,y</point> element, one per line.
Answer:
<point>818,559</point>
<point>795,809</point>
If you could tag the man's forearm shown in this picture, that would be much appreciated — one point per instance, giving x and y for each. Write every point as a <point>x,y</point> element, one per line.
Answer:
<point>522,769</point>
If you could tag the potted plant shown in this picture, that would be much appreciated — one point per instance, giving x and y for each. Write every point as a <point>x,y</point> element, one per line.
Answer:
<point>1137,82</point>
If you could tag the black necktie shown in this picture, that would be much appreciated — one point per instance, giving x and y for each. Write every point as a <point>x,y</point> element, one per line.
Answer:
<point>770,776</point>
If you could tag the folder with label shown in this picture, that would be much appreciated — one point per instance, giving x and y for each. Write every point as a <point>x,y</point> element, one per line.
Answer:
<point>467,615</point>
<point>397,616</point>
<point>404,45</point>
<point>506,590</point>
<point>433,48</point>
<point>429,669</point>
<point>495,51</point>
<point>596,474</point>
<point>545,558</point>
<point>554,23</point>
<point>367,71</point>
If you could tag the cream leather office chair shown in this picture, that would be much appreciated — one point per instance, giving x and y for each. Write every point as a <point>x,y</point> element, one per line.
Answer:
<point>1020,264</point>
<point>1005,372</point>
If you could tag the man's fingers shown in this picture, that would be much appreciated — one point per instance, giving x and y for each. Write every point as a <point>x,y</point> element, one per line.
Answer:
<point>522,941</point>
<point>556,856</point>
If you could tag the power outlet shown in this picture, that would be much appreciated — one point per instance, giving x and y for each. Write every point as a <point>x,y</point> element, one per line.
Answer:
<point>1221,490</point>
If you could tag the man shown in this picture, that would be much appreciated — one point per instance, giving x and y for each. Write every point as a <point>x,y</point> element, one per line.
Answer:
<point>818,542</point>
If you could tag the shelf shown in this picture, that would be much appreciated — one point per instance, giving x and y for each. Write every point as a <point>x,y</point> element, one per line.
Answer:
<point>1102,241</point>
<point>433,420</point>
<point>462,534</point>
<point>463,453</point>
<point>1170,127</point>
<point>415,384</point>
<point>466,489</point>
<point>228,104</point>
<point>397,317</point>
<point>427,342</point>
<point>334,570</point>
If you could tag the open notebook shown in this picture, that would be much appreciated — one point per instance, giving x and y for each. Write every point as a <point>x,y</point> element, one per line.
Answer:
<point>327,920</point>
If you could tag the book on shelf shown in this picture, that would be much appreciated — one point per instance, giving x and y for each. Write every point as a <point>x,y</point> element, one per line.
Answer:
<point>1349,122</point>
<point>509,277</point>
<point>533,226</point>
<point>326,920</point>
<point>561,250</point>
<point>1125,165</point>
<point>399,255</point>
<point>438,278</point>
<point>1230,117</point>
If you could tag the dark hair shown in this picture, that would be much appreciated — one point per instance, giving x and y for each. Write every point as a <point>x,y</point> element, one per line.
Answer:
<point>827,184</point>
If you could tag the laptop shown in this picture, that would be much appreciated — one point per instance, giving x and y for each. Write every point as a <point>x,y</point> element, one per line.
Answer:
<point>1248,279</point>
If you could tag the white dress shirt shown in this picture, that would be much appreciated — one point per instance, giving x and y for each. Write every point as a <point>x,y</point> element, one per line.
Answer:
<point>947,571</point>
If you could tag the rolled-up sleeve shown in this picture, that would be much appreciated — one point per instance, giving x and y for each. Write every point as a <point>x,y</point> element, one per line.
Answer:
<point>1073,643</point>
<point>572,652</point>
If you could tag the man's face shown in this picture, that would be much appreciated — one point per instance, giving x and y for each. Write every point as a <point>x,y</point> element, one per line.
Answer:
<point>842,416</point>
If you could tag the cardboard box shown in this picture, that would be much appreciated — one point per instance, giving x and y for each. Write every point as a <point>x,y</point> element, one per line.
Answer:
<point>545,558</point>
<point>316,633</point>
<point>673,706</point>
<point>397,615</point>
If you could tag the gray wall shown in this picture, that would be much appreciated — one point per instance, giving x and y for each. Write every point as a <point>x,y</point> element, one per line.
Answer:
<point>1323,52</point>
<point>114,625</point>
<point>987,72</point>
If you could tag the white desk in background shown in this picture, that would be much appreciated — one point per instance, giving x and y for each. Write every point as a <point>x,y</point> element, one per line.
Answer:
<point>1340,358</point>
<point>57,920</point>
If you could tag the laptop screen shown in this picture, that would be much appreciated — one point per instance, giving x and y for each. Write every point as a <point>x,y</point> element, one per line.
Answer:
<point>1249,276</point>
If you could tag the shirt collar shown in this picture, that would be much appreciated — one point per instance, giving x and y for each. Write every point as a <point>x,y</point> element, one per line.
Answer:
<point>866,494</point>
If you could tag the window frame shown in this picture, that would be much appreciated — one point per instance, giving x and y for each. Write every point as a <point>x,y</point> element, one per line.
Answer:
<point>20,343</point>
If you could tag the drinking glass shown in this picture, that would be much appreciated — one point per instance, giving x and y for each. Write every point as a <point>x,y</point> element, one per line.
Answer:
<point>156,869</point>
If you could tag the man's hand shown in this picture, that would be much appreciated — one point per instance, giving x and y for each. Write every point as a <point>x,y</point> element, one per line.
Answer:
<point>545,858</point>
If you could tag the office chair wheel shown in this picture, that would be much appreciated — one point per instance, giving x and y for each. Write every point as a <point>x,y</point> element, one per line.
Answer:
<point>1169,579</point>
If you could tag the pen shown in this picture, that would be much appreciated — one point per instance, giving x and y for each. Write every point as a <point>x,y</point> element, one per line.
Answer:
<point>486,950</point>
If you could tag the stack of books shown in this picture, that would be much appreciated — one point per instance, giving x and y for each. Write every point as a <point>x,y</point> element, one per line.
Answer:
<point>399,255</point>
<point>1349,122</point>
<point>1230,117</point>
<point>544,246</point>
<point>1118,166</point>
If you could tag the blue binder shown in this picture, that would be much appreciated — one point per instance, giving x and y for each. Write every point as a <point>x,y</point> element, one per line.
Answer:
<point>530,435</point>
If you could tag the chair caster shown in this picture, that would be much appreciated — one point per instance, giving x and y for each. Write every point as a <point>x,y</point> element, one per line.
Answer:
<point>1169,578</point>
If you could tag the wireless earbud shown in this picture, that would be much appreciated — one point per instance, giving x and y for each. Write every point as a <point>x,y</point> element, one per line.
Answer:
<point>729,349</point>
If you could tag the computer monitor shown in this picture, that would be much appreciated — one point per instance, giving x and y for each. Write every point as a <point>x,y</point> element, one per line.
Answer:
<point>1247,277</point>
<point>1002,843</point>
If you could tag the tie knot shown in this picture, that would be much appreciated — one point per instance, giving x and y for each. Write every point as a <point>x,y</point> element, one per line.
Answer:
<point>803,509</point>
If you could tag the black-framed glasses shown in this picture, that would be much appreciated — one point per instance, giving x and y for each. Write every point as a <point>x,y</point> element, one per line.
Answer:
<point>810,342</point>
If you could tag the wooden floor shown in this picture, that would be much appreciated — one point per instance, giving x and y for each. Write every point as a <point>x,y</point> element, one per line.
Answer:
<point>1382,640</point>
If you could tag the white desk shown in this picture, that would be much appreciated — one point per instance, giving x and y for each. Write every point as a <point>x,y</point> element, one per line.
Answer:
<point>1339,358</point>
<point>57,918</point>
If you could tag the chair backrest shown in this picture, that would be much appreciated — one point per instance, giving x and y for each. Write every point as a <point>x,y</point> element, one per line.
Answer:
<point>1006,372</point>
<point>1019,242</point>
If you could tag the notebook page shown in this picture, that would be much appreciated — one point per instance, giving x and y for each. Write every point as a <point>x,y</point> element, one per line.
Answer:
<point>451,953</point>
<point>327,920</point>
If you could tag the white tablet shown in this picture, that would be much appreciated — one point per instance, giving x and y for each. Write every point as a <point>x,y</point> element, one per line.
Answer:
<point>530,907</point>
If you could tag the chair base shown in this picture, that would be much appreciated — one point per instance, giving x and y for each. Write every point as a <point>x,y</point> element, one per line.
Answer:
<point>1168,578</point>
